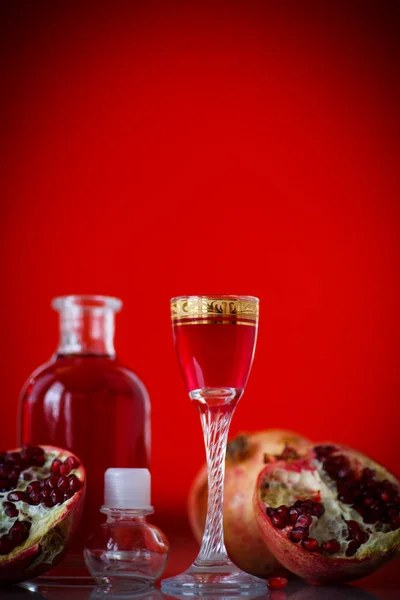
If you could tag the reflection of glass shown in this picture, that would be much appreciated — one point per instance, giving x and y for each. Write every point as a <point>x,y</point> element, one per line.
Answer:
<point>85,399</point>
<point>100,594</point>
<point>215,339</point>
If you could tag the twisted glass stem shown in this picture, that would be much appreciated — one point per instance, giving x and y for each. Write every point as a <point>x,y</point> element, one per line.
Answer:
<point>215,422</point>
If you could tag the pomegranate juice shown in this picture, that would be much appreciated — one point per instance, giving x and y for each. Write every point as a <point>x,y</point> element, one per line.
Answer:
<point>216,353</point>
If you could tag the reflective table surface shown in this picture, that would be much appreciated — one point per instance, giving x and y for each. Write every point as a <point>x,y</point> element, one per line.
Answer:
<point>382,585</point>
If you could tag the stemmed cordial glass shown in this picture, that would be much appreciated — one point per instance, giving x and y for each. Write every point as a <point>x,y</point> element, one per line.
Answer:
<point>215,338</point>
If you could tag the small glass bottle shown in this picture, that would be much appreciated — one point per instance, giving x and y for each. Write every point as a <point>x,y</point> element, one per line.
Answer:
<point>126,554</point>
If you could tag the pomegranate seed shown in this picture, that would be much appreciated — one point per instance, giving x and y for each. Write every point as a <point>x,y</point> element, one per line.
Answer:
<point>18,533</point>
<point>33,487</point>
<point>310,544</point>
<point>353,527</point>
<point>38,460</point>
<point>12,512</point>
<point>277,583</point>
<point>63,483</point>
<point>74,483</point>
<point>5,545</point>
<point>14,474</point>
<point>52,482</point>
<point>352,547</point>
<point>43,483</point>
<point>64,469</point>
<point>369,501</point>
<point>55,466</point>
<point>67,496</point>
<point>298,534</point>
<point>385,497</point>
<point>388,485</point>
<point>331,546</point>
<point>34,498</point>
<point>293,515</point>
<point>48,502</point>
<point>368,473</point>
<point>279,522</point>
<point>279,516</point>
<point>283,510</point>
<point>19,526</point>
<point>304,521</point>
<point>346,495</point>
<point>318,509</point>
<point>57,497</point>
<point>344,473</point>
<point>45,495</point>
<point>18,496</point>
<point>16,537</point>
<point>72,463</point>
<point>356,533</point>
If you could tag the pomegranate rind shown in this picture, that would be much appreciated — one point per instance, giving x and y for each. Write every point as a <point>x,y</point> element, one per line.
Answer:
<point>49,538</point>
<point>246,456</point>
<point>317,568</point>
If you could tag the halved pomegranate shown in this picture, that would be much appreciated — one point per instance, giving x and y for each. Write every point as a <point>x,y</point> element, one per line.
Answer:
<point>42,493</point>
<point>245,458</point>
<point>331,516</point>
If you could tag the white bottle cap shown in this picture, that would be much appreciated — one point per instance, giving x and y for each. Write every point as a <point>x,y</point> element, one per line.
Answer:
<point>127,488</point>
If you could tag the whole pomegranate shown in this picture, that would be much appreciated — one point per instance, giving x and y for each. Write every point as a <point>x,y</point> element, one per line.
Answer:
<point>245,458</point>
<point>331,516</point>
<point>42,493</point>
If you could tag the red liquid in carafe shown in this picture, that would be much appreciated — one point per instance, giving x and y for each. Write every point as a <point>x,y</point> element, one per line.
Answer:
<point>96,407</point>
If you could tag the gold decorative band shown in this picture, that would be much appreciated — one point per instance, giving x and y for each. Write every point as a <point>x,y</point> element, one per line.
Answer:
<point>202,306</point>
<point>214,321</point>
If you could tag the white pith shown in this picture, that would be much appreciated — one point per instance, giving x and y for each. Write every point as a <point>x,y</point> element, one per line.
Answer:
<point>285,486</point>
<point>44,517</point>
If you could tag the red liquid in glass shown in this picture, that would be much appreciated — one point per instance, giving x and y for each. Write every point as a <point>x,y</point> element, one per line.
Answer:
<point>215,355</point>
<point>97,408</point>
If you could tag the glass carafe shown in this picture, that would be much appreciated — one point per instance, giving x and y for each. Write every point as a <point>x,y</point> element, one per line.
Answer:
<point>84,399</point>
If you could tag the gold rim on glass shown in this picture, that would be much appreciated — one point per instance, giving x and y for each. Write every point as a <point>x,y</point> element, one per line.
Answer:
<point>199,310</point>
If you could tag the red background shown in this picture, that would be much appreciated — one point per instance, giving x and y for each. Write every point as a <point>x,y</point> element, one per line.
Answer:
<point>156,149</point>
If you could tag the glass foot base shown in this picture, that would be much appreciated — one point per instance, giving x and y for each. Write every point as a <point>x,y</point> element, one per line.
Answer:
<point>226,579</point>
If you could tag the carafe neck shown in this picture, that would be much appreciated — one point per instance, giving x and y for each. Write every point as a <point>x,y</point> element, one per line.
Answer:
<point>137,515</point>
<point>87,324</point>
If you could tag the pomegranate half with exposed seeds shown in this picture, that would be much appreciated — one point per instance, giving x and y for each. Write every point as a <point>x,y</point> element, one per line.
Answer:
<point>245,458</point>
<point>331,516</point>
<point>42,493</point>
